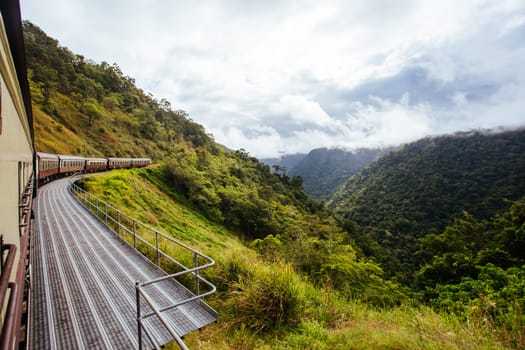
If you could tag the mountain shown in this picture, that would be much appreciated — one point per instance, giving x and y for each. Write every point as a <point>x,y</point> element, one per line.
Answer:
<point>421,188</point>
<point>323,170</point>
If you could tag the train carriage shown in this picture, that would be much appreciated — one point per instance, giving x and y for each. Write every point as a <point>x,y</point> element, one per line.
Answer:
<point>71,164</point>
<point>119,163</point>
<point>47,165</point>
<point>140,162</point>
<point>96,164</point>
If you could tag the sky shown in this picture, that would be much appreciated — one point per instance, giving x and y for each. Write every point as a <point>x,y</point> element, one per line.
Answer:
<point>283,77</point>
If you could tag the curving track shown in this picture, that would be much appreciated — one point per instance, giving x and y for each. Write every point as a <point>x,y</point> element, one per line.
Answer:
<point>83,282</point>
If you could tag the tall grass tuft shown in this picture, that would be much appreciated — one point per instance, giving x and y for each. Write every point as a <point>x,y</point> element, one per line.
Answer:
<point>269,298</point>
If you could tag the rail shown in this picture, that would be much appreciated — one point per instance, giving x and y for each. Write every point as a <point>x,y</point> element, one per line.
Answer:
<point>152,244</point>
<point>11,323</point>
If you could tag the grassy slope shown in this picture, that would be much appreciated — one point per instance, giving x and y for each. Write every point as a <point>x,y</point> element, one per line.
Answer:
<point>52,137</point>
<point>325,322</point>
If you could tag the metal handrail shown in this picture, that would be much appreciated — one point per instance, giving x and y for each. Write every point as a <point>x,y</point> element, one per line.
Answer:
<point>103,211</point>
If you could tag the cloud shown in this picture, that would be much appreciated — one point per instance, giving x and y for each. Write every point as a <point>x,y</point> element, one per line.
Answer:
<point>302,111</point>
<point>273,76</point>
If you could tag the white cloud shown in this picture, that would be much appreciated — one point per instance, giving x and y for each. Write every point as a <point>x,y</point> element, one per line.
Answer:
<point>387,123</point>
<point>302,110</point>
<point>272,76</point>
<point>267,141</point>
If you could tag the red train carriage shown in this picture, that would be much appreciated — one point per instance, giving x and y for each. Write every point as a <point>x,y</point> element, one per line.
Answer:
<point>119,163</point>
<point>140,162</point>
<point>48,165</point>
<point>96,164</point>
<point>71,164</point>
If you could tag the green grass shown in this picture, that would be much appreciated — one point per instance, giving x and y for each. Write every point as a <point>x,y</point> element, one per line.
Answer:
<point>270,306</point>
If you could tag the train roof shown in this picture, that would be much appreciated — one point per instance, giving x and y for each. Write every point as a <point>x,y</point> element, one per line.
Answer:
<point>67,157</point>
<point>47,155</point>
<point>96,159</point>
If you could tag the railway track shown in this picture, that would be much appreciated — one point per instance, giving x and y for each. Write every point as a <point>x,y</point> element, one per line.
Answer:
<point>83,282</point>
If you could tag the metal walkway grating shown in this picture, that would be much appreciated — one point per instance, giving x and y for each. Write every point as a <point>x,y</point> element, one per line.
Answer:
<point>83,282</point>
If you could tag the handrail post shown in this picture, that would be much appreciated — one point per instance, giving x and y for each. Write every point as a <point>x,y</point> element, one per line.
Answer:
<point>118,222</point>
<point>196,264</point>
<point>157,246</point>
<point>139,325</point>
<point>134,233</point>
<point>106,212</point>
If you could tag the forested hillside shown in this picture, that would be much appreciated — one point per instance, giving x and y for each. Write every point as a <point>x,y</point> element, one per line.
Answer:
<point>90,109</point>
<point>323,170</point>
<point>422,187</point>
<point>446,215</point>
<point>291,274</point>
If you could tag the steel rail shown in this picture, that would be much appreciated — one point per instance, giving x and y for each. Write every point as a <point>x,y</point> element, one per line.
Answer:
<point>76,189</point>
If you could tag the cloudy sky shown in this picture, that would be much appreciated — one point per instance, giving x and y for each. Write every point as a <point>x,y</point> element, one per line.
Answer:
<point>280,77</point>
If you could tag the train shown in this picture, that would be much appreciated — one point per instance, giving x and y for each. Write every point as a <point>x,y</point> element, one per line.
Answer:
<point>17,155</point>
<point>51,166</point>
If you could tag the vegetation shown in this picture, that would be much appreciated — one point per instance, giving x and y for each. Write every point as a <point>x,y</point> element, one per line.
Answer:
<point>324,170</point>
<point>266,304</point>
<point>290,274</point>
<point>423,187</point>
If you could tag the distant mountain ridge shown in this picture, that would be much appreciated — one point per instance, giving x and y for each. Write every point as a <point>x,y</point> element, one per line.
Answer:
<point>323,170</point>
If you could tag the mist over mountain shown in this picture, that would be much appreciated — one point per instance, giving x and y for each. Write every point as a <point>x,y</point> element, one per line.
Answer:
<point>323,170</point>
<point>285,162</point>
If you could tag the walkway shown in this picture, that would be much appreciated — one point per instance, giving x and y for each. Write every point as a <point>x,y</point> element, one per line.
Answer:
<point>83,282</point>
